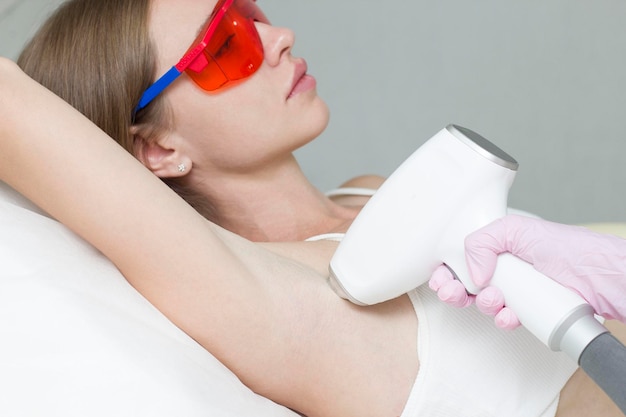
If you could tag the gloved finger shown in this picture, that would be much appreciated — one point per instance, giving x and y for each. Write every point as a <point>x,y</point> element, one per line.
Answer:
<point>453,293</point>
<point>481,256</point>
<point>449,290</point>
<point>490,301</point>
<point>440,277</point>
<point>506,319</point>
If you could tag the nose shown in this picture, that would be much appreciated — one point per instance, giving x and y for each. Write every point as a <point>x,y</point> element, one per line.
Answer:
<point>277,41</point>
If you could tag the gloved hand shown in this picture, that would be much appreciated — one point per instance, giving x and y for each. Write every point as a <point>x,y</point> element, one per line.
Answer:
<point>490,300</point>
<point>589,263</point>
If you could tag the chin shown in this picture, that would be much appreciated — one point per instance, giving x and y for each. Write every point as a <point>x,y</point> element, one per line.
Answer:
<point>310,124</point>
<point>322,116</point>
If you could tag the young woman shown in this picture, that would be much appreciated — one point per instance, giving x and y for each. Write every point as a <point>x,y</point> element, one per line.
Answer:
<point>266,312</point>
<point>225,146</point>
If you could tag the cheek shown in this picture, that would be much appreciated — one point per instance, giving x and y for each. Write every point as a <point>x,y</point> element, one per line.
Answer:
<point>245,124</point>
<point>219,131</point>
<point>240,114</point>
<point>253,105</point>
<point>198,112</point>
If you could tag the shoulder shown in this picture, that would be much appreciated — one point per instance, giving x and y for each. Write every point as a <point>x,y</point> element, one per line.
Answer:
<point>364,181</point>
<point>356,191</point>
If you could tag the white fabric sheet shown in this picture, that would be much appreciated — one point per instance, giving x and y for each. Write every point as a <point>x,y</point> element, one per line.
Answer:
<point>77,340</point>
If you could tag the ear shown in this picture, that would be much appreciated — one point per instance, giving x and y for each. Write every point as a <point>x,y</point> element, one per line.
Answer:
<point>159,154</point>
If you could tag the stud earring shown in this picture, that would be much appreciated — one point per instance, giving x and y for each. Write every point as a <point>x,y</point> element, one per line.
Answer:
<point>182,168</point>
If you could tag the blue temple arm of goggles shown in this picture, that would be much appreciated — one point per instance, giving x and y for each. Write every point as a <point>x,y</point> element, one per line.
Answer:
<point>156,88</point>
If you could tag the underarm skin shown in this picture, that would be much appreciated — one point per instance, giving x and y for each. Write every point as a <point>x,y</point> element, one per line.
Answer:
<point>271,319</point>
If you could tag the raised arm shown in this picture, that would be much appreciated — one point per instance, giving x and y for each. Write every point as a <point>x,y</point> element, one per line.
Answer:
<point>267,318</point>
<point>183,264</point>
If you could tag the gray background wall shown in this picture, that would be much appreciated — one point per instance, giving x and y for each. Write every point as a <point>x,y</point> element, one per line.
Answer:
<point>543,79</point>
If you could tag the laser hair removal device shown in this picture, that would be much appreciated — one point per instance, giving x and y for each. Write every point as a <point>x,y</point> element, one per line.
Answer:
<point>452,185</point>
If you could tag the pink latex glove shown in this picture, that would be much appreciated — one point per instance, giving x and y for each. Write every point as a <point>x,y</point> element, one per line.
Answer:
<point>591,264</point>
<point>449,289</point>
<point>490,300</point>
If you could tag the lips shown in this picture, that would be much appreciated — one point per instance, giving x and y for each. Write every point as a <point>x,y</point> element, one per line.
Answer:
<point>301,80</point>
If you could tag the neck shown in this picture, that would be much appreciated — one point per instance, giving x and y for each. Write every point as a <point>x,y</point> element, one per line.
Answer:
<point>272,204</point>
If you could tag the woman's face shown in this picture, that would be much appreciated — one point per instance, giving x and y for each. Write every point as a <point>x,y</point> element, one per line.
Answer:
<point>269,114</point>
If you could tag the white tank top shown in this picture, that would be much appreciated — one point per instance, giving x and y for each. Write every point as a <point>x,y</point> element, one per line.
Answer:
<point>470,368</point>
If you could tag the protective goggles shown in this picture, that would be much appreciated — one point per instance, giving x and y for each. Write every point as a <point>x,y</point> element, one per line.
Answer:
<point>228,49</point>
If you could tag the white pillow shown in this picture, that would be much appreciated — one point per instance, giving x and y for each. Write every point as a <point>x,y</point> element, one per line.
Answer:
<point>77,340</point>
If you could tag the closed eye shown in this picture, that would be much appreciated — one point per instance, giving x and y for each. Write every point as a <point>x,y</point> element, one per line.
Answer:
<point>225,46</point>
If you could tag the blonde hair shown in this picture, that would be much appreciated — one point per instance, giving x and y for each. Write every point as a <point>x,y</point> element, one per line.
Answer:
<point>98,56</point>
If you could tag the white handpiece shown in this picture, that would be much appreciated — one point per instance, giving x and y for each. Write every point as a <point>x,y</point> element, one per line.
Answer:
<point>451,186</point>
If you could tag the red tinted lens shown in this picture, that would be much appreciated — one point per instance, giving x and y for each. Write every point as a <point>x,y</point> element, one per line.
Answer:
<point>234,52</point>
